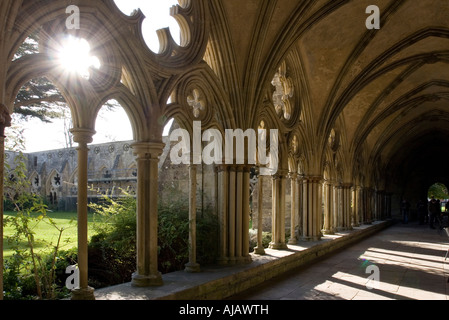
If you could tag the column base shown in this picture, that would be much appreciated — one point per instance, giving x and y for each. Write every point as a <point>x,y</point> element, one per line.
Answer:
<point>192,267</point>
<point>259,250</point>
<point>146,281</point>
<point>234,260</point>
<point>292,241</point>
<point>311,238</point>
<point>278,246</point>
<point>83,294</point>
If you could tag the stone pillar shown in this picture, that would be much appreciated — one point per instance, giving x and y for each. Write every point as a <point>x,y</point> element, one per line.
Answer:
<point>357,205</point>
<point>369,205</point>
<point>147,156</point>
<point>245,213</point>
<point>278,212</point>
<point>233,212</point>
<point>388,204</point>
<point>5,121</point>
<point>361,205</point>
<point>300,201</point>
<point>346,206</point>
<point>222,206</point>
<point>381,207</point>
<point>335,206</point>
<point>293,182</point>
<point>83,137</point>
<point>192,265</point>
<point>312,207</point>
<point>338,210</point>
<point>259,249</point>
<point>328,207</point>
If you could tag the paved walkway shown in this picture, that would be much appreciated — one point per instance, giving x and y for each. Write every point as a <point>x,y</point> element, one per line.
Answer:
<point>410,260</point>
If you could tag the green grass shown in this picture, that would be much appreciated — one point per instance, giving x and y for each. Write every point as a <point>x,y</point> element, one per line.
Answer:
<point>46,235</point>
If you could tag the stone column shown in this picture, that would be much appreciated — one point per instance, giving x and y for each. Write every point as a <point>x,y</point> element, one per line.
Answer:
<point>192,265</point>
<point>388,204</point>
<point>259,249</point>
<point>338,209</point>
<point>222,204</point>
<point>369,205</point>
<point>293,182</point>
<point>312,207</point>
<point>381,207</point>
<point>83,137</point>
<point>278,213</point>
<point>335,204</point>
<point>346,206</point>
<point>147,155</point>
<point>300,201</point>
<point>233,211</point>
<point>328,207</point>
<point>5,121</point>
<point>245,213</point>
<point>357,205</point>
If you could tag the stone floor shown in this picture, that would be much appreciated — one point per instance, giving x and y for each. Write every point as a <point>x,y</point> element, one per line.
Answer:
<point>220,282</point>
<point>411,266</point>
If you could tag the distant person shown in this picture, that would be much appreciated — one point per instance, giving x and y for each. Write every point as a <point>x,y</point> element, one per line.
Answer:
<point>422,211</point>
<point>434,211</point>
<point>405,210</point>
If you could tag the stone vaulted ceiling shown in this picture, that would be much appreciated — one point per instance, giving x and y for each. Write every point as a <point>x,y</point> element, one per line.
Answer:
<point>385,91</point>
<point>381,94</point>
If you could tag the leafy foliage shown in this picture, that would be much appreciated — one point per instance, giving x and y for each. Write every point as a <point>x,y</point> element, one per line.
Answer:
<point>112,251</point>
<point>29,264</point>
<point>439,191</point>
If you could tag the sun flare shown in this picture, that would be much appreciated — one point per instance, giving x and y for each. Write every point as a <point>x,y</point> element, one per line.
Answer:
<point>75,57</point>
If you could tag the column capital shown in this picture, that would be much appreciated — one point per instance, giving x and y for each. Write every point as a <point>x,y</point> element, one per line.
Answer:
<point>221,167</point>
<point>313,178</point>
<point>5,119</point>
<point>280,174</point>
<point>82,135</point>
<point>293,175</point>
<point>152,150</point>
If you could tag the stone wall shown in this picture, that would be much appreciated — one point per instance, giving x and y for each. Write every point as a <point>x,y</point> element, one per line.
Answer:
<point>112,168</point>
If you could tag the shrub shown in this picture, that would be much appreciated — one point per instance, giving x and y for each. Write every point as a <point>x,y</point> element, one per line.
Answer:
<point>112,251</point>
<point>29,272</point>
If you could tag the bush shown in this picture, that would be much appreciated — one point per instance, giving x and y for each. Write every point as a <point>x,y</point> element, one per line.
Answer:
<point>112,251</point>
<point>30,272</point>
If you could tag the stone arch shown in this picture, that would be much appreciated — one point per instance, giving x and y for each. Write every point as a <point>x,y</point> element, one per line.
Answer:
<point>53,187</point>
<point>35,181</point>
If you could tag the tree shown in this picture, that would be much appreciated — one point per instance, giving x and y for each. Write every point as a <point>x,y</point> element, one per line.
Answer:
<point>439,191</point>
<point>39,97</point>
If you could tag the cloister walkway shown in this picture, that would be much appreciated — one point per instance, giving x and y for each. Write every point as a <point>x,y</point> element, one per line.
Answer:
<point>410,260</point>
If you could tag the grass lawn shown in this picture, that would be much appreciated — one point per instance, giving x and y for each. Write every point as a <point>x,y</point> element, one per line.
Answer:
<point>46,235</point>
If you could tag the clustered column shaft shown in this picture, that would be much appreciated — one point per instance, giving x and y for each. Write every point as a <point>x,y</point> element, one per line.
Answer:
<point>278,214</point>
<point>192,265</point>
<point>83,137</point>
<point>147,155</point>
<point>233,210</point>
<point>312,196</point>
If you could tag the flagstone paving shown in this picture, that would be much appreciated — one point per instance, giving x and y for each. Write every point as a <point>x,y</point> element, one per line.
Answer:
<point>411,266</point>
